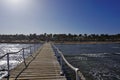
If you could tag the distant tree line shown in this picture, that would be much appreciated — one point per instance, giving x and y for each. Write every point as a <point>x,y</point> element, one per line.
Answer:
<point>86,37</point>
<point>58,37</point>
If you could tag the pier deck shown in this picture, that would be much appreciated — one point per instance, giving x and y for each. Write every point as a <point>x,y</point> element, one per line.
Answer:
<point>44,67</point>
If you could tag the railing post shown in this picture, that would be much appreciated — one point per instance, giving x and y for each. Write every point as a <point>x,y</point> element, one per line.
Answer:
<point>61,64</point>
<point>34,47</point>
<point>61,61</point>
<point>8,66</point>
<point>76,71</point>
<point>37,47</point>
<point>30,50</point>
<point>24,57</point>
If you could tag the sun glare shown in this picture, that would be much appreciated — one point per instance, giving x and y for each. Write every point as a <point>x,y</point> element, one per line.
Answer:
<point>16,5</point>
<point>16,2</point>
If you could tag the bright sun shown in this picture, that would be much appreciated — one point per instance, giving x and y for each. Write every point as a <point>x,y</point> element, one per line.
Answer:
<point>16,2</point>
<point>16,5</point>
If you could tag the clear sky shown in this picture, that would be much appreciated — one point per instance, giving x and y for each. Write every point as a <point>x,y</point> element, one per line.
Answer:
<point>59,16</point>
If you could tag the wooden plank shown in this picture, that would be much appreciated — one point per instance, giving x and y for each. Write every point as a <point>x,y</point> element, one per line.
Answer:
<point>44,67</point>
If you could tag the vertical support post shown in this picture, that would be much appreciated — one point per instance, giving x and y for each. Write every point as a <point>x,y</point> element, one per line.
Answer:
<point>61,63</point>
<point>76,71</point>
<point>8,64</point>
<point>24,57</point>
<point>34,48</point>
<point>30,50</point>
<point>37,47</point>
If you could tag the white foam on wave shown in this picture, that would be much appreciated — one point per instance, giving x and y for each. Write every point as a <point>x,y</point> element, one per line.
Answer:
<point>95,54</point>
<point>117,53</point>
<point>5,48</point>
<point>13,64</point>
<point>3,74</point>
<point>4,62</point>
<point>115,47</point>
<point>3,66</point>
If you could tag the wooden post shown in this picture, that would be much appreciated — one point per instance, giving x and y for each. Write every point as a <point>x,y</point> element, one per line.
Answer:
<point>24,57</point>
<point>8,64</point>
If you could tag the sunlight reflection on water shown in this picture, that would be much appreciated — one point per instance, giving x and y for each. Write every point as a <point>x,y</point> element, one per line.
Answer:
<point>14,59</point>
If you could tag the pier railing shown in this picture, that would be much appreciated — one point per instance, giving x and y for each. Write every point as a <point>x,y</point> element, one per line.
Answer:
<point>19,56</point>
<point>79,75</point>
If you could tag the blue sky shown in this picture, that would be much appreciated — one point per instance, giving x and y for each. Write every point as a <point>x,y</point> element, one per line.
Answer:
<point>59,16</point>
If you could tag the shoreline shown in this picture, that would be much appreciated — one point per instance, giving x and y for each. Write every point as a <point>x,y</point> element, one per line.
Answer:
<point>22,42</point>
<point>88,42</point>
<point>67,42</point>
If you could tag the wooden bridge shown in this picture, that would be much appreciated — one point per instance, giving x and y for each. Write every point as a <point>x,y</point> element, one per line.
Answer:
<point>43,67</point>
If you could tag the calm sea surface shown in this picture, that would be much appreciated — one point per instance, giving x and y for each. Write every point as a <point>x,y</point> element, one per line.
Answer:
<point>95,61</point>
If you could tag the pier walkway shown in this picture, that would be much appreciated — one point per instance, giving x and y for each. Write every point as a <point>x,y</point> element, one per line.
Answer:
<point>43,67</point>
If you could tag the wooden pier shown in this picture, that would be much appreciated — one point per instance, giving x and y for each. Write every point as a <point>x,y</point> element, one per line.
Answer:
<point>43,67</point>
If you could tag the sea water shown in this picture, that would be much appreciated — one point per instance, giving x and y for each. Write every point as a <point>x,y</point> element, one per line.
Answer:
<point>95,61</point>
<point>14,59</point>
